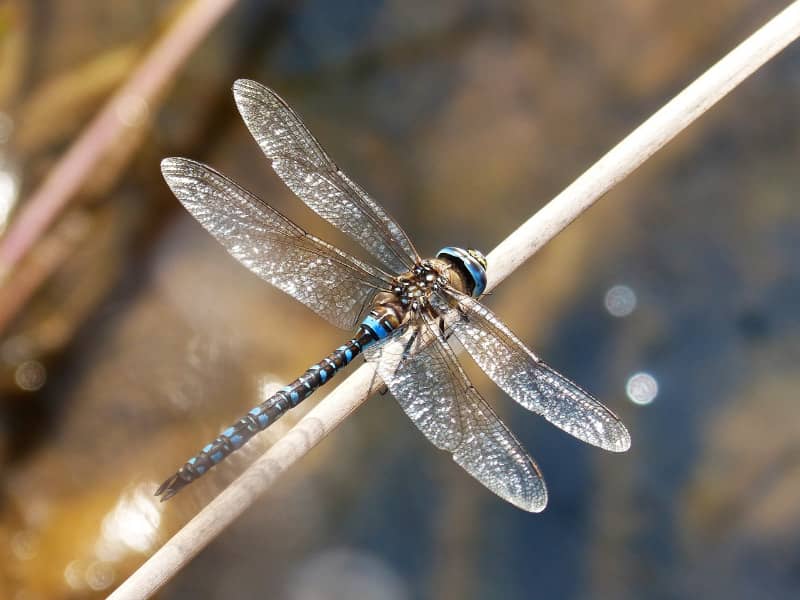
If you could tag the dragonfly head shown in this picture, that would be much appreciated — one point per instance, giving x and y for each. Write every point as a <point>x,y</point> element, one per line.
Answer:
<point>470,262</point>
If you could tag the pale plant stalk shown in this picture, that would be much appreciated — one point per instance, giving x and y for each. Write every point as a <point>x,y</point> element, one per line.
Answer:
<point>155,72</point>
<point>642,143</point>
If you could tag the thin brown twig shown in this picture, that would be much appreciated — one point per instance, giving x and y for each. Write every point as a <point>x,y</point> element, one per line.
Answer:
<point>65,180</point>
<point>642,143</point>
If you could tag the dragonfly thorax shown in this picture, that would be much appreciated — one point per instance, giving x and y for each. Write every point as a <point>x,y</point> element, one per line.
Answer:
<point>415,286</point>
<point>412,290</point>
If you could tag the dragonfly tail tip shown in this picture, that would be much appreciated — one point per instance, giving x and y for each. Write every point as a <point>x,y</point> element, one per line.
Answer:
<point>170,487</point>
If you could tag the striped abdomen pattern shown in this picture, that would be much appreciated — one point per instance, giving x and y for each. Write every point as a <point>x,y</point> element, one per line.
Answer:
<point>269,411</point>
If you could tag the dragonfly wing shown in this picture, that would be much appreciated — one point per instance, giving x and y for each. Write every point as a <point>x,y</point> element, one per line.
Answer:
<point>531,382</point>
<point>423,374</point>
<point>312,175</point>
<point>420,381</point>
<point>492,455</point>
<point>335,285</point>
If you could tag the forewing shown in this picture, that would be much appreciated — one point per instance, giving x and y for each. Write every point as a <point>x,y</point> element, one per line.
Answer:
<point>423,374</point>
<point>306,168</point>
<point>333,284</point>
<point>531,382</point>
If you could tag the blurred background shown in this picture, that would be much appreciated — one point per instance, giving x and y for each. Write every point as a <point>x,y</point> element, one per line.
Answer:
<point>129,338</point>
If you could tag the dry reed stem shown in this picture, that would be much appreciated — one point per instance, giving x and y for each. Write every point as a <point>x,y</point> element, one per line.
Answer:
<point>513,251</point>
<point>138,93</point>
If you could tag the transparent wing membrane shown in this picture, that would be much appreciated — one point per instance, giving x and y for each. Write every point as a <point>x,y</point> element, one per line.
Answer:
<point>423,384</point>
<point>333,284</point>
<point>423,374</point>
<point>531,382</point>
<point>310,173</point>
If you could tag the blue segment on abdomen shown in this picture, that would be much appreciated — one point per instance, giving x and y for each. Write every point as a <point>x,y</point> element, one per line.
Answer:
<point>261,417</point>
<point>235,438</point>
<point>376,327</point>
<point>323,374</point>
<point>294,397</point>
<point>348,354</point>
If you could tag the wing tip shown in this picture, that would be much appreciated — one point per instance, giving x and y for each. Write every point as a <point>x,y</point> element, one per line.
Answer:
<point>535,502</point>
<point>616,440</point>
<point>244,90</point>
<point>170,164</point>
<point>623,443</point>
<point>243,84</point>
<point>533,507</point>
<point>179,165</point>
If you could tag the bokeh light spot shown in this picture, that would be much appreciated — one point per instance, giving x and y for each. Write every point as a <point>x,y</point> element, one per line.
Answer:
<point>642,388</point>
<point>620,301</point>
<point>73,575</point>
<point>30,375</point>
<point>100,575</point>
<point>24,545</point>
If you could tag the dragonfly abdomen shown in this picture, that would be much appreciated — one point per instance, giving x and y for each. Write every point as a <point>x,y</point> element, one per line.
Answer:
<point>266,413</point>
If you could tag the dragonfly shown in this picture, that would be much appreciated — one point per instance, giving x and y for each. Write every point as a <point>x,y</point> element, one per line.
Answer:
<point>405,311</point>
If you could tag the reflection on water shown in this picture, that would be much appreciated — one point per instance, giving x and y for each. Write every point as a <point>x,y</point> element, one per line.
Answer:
<point>679,291</point>
<point>132,525</point>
